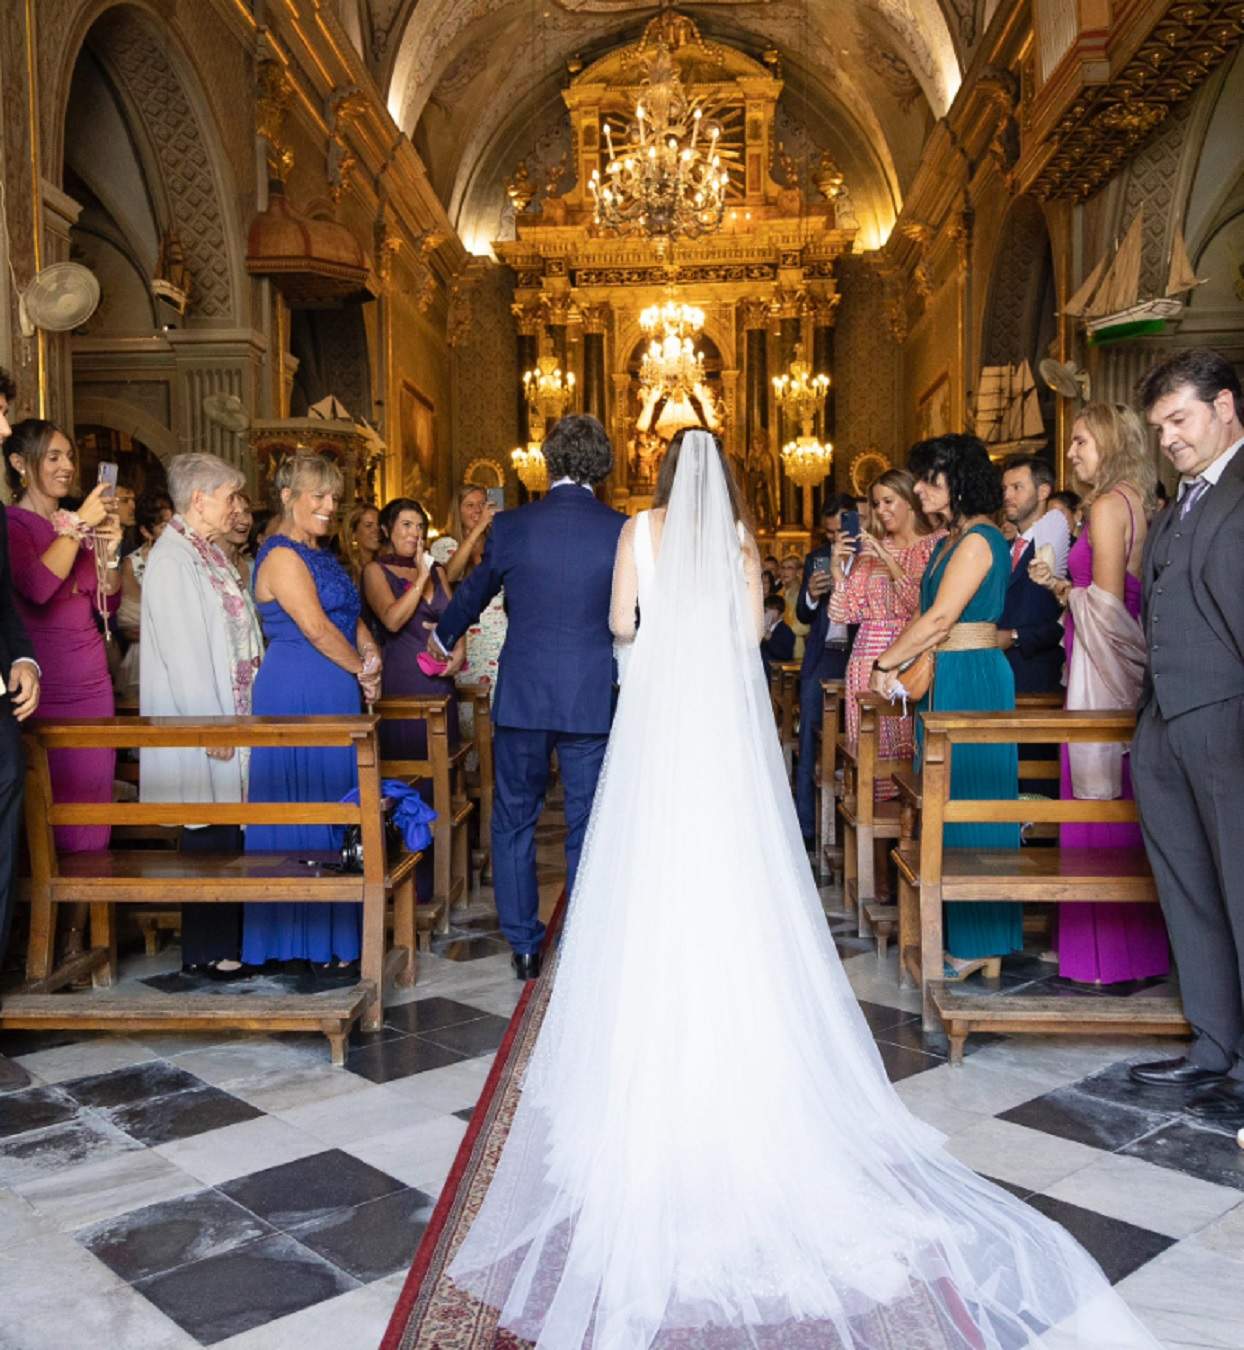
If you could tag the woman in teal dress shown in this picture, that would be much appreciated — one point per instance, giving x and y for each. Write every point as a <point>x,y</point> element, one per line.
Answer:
<point>961,598</point>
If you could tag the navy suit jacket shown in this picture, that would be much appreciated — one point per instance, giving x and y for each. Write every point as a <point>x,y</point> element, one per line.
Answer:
<point>555,559</point>
<point>817,617</point>
<point>14,642</point>
<point>1034,613</point>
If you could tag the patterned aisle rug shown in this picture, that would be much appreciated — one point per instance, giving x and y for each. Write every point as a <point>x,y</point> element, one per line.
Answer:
<point>432,1313</point>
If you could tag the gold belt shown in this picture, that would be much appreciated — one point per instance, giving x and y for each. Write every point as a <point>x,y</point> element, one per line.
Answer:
<point>970,637</point>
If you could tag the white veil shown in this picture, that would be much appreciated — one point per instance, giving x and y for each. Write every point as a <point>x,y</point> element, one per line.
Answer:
<point>707,1152</point>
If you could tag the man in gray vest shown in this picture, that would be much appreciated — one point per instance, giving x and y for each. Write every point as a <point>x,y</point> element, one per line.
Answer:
<point>1188,754</point>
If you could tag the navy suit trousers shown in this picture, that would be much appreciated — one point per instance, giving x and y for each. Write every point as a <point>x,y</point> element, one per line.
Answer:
<point>832,666</point>
<point>521,761</point>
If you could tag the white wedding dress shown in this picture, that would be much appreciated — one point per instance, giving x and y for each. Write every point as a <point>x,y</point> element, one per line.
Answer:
<point>707,1152</point>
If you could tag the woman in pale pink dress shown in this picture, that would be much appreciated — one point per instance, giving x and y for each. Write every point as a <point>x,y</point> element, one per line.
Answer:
<point>52,559</point>
<point>1107,943</point>
<point>879,589</point>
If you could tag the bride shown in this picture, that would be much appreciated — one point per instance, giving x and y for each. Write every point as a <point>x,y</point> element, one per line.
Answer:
<point>707,1152</point>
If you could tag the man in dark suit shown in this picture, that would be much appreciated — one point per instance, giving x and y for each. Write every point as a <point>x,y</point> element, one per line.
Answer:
<point>1188,751</point>
<point>825,653</point>
<point>1030,629</point>
<point>555,680</point>
<point>19,697</point>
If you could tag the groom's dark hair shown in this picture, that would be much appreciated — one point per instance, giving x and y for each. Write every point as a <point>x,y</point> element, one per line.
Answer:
<point>578,447</point>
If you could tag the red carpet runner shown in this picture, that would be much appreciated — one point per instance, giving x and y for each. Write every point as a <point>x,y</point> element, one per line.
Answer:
<point>431,1313</point>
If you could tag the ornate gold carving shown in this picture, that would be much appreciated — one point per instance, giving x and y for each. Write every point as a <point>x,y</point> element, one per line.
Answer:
<point>344,107</point>
<point>1108,122</point>
<point>866,468</point>
<point>825,309</point>
<point>271,109</point>
<point>519,188</point>
<point>484,472</point>
<point>458,327</point>
<point>388,244</point>
<point>829,178</point>
<point>755,313</point>
<point>595,318</point>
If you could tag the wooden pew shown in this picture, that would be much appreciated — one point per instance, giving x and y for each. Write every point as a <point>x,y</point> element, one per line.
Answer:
<point>785,675</point>
<point>884,919</point>
<point>937,875</point>
<point>445,769</point>
<point>105,878</point>
<point>833,716</point>
<point>865,819</point>
<point>481,781</point>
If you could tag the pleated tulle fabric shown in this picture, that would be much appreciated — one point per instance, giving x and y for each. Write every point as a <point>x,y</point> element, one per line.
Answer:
<point>707,1152</point>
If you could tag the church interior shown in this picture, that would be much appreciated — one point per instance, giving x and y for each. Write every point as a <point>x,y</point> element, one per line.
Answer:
<point>412,234</point>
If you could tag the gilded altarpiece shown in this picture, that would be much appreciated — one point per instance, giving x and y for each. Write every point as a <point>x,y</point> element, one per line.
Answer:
<point>766,280</point>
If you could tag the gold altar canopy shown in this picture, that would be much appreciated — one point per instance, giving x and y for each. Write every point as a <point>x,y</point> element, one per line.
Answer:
<point>765,280</point>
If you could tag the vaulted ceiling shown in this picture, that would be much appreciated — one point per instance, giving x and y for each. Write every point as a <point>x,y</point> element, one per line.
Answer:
<point>477,85</point>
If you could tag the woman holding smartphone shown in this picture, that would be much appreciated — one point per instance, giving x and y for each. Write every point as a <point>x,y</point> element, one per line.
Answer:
<point>877,585</point>
<point>64,566</point>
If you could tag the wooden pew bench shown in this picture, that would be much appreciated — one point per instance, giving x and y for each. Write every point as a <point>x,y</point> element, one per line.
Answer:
<point>829,782</point>
<point>932,875</point>
<point>445,769</point>
<point>103,879</point>
<point>883,918</point>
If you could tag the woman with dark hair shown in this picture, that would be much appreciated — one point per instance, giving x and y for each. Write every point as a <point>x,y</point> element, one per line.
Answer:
<point>961,599</point>
<point>64,568</point>
<point>235,542</point>
<point>407,591</point>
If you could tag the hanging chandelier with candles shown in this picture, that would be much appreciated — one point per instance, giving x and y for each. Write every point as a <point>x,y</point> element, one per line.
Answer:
<point>667,181</point>
<point>548,390</point>
<point>671,372</point>
<point>531,467</point>
<point>801,396</point>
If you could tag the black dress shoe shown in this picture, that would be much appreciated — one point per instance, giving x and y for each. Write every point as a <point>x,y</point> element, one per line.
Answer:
<point>1224,1103</point>
<point>527,965</point>
<point>1180,1073</point>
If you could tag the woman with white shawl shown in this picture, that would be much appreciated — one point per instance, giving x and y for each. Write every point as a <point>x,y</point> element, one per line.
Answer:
<point>201,649</point>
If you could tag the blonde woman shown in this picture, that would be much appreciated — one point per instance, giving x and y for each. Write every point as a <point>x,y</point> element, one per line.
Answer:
<point>1103,944</point>
<point>358,539</point>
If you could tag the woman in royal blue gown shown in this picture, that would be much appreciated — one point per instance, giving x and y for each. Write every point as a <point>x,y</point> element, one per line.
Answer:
<point>319,655</point>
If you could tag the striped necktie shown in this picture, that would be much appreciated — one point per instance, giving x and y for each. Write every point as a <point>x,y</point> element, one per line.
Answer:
<point>1196,490</point>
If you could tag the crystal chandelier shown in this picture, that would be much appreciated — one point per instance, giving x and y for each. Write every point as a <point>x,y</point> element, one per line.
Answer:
<point>807,460</point>
<point>801,396</point>
<point>666,183</point>
<point>799,393</point>
<point>549,391</point>
<point>671,373</point>
<point>531,467</point>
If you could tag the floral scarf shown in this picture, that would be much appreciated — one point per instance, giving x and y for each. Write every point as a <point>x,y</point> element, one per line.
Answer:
<point>241,622</point>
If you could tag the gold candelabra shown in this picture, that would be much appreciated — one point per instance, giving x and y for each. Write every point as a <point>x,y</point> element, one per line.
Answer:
<point>801,396</point>
<point>531,467</point>
<point>549,390</point>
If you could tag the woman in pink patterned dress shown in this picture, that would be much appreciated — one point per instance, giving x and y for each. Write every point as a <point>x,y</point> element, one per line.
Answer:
<point>879,589</point>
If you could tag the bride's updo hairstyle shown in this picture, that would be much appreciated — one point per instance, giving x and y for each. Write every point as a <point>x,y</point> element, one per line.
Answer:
<point>669,467</point>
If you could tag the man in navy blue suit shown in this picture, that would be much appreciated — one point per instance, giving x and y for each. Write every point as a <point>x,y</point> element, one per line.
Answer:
<point>825,653</point>
<point>555,681</point>
<point>1030,629</point>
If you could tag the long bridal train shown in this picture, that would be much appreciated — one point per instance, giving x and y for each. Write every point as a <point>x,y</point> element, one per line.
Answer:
<point>707,1151</point>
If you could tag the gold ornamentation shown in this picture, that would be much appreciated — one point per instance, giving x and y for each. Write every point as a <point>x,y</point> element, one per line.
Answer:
<point>520,188</point>
<point>271,108</point>
<point>344,107</point>
<point>866,468</point>
<point>829,178</point>
<point>531,467</point>
<point>484,472</point>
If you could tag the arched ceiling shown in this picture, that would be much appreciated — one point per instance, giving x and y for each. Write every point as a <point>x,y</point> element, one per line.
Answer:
<point>477,85</point>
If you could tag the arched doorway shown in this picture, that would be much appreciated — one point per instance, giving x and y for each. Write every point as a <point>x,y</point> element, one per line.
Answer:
<point>158,225</point>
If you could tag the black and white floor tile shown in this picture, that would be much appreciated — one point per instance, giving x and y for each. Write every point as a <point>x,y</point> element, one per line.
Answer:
<point>167,1192</point>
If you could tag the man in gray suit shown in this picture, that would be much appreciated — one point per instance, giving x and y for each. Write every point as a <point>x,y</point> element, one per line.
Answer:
<point>1188,753</point>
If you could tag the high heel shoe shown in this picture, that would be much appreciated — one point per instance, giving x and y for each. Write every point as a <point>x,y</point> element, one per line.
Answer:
<point>955,971</point>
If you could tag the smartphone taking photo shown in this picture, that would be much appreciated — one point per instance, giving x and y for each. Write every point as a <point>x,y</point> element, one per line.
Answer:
<point>851,527</point>
<point>108,472</point>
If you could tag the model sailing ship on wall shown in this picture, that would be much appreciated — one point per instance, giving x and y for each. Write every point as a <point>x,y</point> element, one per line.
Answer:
<point>1008,411</point>
<point>1110,303</point>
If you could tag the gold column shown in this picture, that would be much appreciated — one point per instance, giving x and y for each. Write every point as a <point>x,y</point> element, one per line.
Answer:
<point>36,195</point>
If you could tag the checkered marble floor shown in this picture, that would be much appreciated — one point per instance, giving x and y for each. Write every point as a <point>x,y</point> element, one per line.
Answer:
<point>162,1192</point>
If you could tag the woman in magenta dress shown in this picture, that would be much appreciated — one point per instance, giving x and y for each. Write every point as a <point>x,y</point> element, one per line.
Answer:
<point>881,593</point>
<point>52,557</point>
<point>1107,943</point>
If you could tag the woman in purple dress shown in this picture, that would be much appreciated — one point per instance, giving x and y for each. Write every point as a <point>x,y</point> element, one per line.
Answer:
<point>1107,943</point>
<point>408,592</point>
<point>52,556</point>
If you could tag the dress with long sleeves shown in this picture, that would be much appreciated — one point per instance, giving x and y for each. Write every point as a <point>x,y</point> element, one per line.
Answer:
<point>59,615</point>
<point>1106,943</point>
<point>298,680</point>
<point>978,681</point>
<point>882,607</point>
